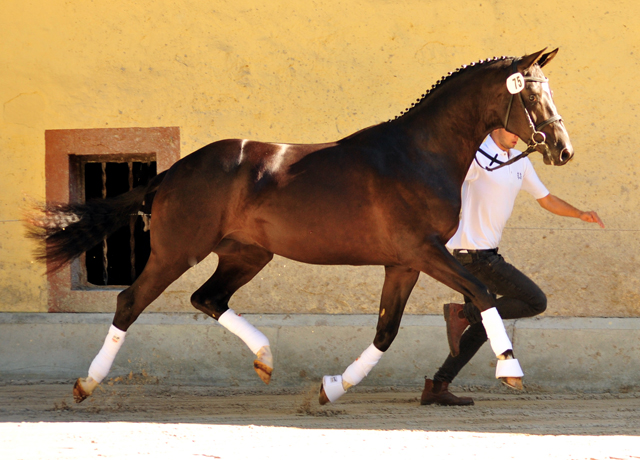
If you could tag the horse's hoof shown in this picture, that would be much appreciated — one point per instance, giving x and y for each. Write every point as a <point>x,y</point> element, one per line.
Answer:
<point>332,389</point>
<point>264,364</point>
<point>79,393</point>
<point>322,397</point>
<point>515,383</point>
<point>263,371</point>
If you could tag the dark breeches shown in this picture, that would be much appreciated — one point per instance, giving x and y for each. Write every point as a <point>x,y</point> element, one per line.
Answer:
<point>517,297</point>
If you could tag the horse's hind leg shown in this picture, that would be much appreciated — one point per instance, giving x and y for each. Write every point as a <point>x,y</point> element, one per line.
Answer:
<point>237,265</point>
<point>398,284</point>
<point>445,268</point>
<point>155,278</point>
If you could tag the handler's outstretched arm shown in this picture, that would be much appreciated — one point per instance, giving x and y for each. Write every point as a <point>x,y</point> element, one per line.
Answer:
<point>560,207</point>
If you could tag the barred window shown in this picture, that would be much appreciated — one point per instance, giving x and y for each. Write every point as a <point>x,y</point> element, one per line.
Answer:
<point>81,164</point>
<point>121,257</point>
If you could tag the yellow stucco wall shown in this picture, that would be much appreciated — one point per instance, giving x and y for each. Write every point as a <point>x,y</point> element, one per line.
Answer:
<point>295,71</point>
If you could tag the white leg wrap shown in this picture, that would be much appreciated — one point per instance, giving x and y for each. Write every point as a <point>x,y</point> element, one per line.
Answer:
<point>362,366</point>
<point>496,332</point>
<point>102,362</point>
<point>332,386</point>
<point>508,368</point>
<point>254,339</point>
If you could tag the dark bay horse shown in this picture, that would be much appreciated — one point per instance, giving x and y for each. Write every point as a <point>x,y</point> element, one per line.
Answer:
<point>387,195</point>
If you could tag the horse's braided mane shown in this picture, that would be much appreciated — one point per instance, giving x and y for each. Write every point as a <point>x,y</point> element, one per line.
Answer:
<point>447,78</point>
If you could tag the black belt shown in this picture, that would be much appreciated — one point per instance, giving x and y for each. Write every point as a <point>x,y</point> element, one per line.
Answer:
<point>475,251</point>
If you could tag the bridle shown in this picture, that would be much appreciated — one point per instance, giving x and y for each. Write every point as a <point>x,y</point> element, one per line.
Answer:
<point>538,138</point>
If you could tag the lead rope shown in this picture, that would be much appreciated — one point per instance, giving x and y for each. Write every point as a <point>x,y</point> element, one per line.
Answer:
<point>503,163</point>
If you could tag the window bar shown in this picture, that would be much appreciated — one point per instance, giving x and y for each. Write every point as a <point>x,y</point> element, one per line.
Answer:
<point>132,229</point>
<point>105,260</point>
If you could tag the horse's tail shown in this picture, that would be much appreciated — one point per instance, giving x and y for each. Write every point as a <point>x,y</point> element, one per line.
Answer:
<point>65,231</point>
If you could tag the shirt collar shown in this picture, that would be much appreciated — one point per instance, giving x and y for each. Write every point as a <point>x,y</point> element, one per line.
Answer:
<point>492,148</point>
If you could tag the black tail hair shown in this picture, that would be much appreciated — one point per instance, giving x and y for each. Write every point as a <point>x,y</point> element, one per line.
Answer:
<point>65,231</point>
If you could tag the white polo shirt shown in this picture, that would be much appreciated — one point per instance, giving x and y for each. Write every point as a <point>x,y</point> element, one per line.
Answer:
<point>488,197</point>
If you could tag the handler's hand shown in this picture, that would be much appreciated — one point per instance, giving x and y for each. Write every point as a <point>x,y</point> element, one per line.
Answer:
<point>592,216</point>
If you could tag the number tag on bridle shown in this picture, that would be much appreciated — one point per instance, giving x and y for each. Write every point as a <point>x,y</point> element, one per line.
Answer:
<point>515,83</point>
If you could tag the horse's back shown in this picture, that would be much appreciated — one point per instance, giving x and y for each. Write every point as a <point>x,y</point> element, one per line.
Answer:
<point>333,203</point>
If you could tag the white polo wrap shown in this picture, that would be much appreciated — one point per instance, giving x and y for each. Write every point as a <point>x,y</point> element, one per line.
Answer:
<point>332,386</point>
<point>508,368</point>
<point>362,366</point>
<point>101,364</point>
<point>245,330</point>
<point>496,332</point>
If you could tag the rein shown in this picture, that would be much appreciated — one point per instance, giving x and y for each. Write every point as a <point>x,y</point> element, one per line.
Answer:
<point>533,143</point>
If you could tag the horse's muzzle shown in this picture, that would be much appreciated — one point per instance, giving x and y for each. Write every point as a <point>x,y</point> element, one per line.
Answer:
<point>565,156</point>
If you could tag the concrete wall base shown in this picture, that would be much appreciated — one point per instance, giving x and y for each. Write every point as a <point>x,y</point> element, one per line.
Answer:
<point>575,354</point>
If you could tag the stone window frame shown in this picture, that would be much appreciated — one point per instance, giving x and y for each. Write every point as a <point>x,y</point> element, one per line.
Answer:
<point>66,292</point>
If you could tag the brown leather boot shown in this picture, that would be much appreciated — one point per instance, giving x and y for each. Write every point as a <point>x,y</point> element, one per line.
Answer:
<point>438,393</point>
<point>456,325</point>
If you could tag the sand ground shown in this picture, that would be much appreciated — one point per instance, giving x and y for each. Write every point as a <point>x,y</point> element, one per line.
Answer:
<point>124,419</point>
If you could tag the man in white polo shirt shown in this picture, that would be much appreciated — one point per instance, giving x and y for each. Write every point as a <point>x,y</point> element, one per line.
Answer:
<point>487,202</point>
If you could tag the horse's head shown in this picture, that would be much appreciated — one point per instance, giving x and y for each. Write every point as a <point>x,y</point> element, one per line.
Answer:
<point>531,113</point>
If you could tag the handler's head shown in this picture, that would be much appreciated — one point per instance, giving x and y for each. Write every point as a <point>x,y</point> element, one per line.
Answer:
<point>504,139</point>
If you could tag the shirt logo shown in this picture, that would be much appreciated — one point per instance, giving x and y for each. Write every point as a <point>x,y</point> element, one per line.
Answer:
<point>519,175</point>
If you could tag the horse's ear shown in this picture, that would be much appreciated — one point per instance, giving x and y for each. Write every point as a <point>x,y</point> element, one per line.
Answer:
<point>544,60</point>
<point>527,61</point>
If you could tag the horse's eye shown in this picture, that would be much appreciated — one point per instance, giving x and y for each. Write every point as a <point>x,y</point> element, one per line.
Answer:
<point>533,98</point>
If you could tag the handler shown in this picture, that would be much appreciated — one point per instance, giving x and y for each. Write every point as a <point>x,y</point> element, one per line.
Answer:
<point>487,203</point>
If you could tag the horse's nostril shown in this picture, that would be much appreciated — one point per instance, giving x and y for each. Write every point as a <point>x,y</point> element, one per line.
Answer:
<point>565,156</point>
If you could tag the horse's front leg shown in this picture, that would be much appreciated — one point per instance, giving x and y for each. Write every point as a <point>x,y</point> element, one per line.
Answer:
<point>398,284</point>
<point>442,266</point>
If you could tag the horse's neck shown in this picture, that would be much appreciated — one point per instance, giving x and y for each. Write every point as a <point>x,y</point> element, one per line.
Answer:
<point>454,122</point>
